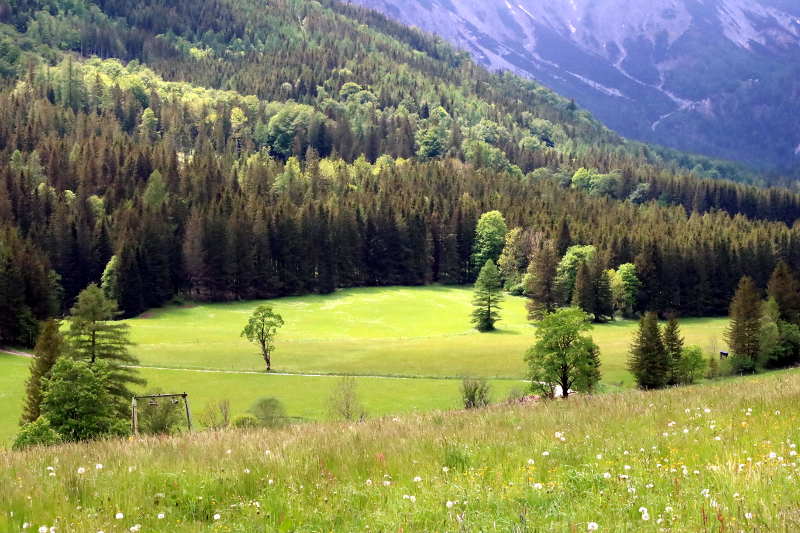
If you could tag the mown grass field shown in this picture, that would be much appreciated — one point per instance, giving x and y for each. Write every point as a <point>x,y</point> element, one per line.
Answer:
<point>420,331</point>
<point>718,457</point>
<point>303,397</point>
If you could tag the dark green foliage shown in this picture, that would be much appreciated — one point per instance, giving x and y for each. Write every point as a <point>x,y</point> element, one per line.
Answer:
<point>649,362</point>
<point>540,281</point>
<point>36,433</point>
<point>673,344</point>
<point>79,402</point>
<point>160,416</point>
<point>475,393</point>
<point>743,334</point>
<point>583,296</point>
<point>487,298</point>
<point>93,336</point>
<point>268,412</point>
<point>49,347</point>
<point>564,358</point>
<point>784,287</point>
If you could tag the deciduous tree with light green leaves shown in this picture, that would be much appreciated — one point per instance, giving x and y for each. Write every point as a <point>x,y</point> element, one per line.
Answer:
<point>488,295</point>
<point>261,329</point>
<point>564,359</point>
<point>490,238</point>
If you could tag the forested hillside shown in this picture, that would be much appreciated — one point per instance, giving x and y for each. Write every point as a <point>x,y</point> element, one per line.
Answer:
<point>240,149</point>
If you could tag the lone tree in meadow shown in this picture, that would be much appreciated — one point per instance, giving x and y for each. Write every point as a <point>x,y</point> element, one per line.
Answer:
<point>261,329</point>
<point>488,295</point>
<point>744,331</point>
<point>564,356</point>
<point>649,362</point>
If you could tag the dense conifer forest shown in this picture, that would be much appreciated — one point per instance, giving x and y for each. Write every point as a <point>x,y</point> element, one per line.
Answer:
<point>238,149</point>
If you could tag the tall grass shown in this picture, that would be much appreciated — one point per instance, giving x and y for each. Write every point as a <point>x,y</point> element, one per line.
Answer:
<point>719,457</point>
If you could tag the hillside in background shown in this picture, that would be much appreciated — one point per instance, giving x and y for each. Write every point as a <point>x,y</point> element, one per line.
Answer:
<point>220,153</point>
<point>719,77</point>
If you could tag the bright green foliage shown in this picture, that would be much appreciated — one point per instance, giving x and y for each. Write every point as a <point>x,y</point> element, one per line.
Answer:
<point>691,366</point>
<point>583,296</point>
<point>625,287</point>
<point>744,332</point>
<point>36,433</point>
<point>49,347</point>
<point>567,270</point>
<point>109,281</point>
<point>490,235</point>
<point>245,421</point>
<point>564,358</point>
<point>649,362</point>
<point>78,400</point>
<point>148,127</point>
<point>487,299</point>
<point>93,336</point>
<point>261,329</point>
<point>513,259</point>
<point>344,402</point>
<point>673,344</point>
<point>156,192</point>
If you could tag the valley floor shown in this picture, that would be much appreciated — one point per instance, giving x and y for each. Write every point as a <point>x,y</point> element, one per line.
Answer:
<point>381,334</point>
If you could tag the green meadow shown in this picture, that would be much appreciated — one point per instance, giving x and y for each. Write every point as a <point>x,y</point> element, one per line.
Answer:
<point>420,332</point>
<point>410,347</point>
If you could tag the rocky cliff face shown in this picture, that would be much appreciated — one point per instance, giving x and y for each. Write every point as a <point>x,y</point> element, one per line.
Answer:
<point>720,77</point>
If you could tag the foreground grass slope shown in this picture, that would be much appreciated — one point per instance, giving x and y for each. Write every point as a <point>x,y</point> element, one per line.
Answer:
<point>400,331</point>
<point>709,458</point>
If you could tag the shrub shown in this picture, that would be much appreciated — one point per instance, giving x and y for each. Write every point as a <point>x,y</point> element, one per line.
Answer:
<point>77,401</point>
<point>475,393</point>
<point>691,365</point>
<point>216,415</point>
<point>268,412</point>
<point>246,421</point>
<point>36,433</point>
<point>344,402</point>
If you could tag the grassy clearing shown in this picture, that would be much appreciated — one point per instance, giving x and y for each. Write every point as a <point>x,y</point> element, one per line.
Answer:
<point>303,397</point>
<point>421,331</point>
<point>720,457</point>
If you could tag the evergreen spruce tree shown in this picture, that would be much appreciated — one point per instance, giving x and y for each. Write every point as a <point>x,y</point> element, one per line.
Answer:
<point>785,288</point>
<point>744,331</point>
<point>583,296</point>
<point>540,282</point>
<point>649,362</point>
<point>488,295</point>
<point>49,347</point>
<point>93,336</point>
<point>603,296</point>
<point>673,344</point>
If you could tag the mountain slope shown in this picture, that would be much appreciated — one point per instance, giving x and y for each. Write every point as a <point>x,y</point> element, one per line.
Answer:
<point>721,77</point>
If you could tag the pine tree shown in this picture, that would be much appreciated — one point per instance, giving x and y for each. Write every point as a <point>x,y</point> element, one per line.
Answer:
<point>49,347</point>
<point>540,282</point>
<point>745,327</point>
<point>93,336</point>
<point>649,362</point>
<point>583,296</point>
<point>673,344</point>
<point>603,297</point>
<point>785,288</point>
<point>488,295</point>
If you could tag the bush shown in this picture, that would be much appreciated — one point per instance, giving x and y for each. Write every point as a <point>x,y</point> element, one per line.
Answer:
<point>691,366</point>
<point>246,421</point>
<point>268,412</point>
<point>162,416</point>
<point>344,402</point>
<point>77,402</point>
<point>216,415</point>
<point>475,393</point>
<point>36,433</point>
<point>518,289</point>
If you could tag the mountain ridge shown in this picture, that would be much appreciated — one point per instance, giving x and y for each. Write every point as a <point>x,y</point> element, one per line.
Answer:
<point>716,77</point>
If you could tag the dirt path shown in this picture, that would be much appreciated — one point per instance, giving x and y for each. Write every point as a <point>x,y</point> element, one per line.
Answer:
<point>257,373</point>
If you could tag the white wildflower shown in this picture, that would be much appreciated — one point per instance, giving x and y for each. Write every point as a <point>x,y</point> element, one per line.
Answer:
<point>592,526</point>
